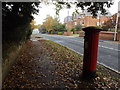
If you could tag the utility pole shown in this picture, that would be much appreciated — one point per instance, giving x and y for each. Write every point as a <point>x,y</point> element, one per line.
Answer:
<point>68,21</point>
<point>115,33</point>
<point>99,20</point>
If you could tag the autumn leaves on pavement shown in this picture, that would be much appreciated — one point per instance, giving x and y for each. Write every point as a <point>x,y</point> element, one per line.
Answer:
<point>44,64</point>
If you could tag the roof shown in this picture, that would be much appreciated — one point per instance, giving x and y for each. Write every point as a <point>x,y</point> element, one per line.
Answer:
<point>67,19</point>
<point>89,14</point>
<point>99,14</point>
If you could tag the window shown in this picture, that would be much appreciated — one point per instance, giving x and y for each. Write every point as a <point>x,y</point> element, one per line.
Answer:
<point>103,22</point>
<point>82,21</point>
<point>98,23</point>
<point>98,17</point>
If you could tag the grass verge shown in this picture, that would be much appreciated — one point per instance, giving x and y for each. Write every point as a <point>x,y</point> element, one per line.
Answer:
<point>106,77</point>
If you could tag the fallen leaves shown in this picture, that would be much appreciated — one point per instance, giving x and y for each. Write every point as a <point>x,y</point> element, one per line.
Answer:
<point>44,64</point>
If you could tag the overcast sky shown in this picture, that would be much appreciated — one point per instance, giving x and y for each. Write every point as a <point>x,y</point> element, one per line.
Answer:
<point>50,10</point>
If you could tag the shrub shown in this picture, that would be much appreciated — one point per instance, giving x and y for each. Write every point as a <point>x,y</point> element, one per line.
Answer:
<point>60,33</point>
<point>105,28</point>
<point>73,30</point>
<point>78,27</point>
<point>54,32</point>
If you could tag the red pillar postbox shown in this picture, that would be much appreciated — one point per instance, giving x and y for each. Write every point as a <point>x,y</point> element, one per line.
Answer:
<point>91,39</point>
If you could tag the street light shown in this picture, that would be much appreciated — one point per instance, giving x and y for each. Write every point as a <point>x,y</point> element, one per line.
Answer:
<point>115,33</point>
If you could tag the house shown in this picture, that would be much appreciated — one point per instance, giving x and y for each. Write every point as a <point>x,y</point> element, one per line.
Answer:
<point>114,19</point>
<point>68,23</point>
<point>85,19</point>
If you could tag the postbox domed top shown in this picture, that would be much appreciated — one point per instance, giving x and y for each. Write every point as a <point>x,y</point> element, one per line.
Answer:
<point>92,28</point>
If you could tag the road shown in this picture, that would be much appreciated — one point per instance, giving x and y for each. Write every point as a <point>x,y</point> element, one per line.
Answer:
<point>107,52</point>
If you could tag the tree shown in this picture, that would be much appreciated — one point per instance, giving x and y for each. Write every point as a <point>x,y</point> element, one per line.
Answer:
<point>43,29</point>
<point>62,28</point>
<point>92,7</point>
<point>52,25</point>
<point>73,30</point>
<point>48,23</point>
<point>110,24</point>
<point>78,27</point>
<point>34,25</point>
<point>57,26</point>
<point>16,18</point>
<point>18,15</point>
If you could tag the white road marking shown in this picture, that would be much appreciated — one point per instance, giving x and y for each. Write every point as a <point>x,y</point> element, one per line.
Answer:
<point>99,45</point>
<point>83,43</point>
<point>108,48</point>
<point>109,68</point>
<point>98,62</point>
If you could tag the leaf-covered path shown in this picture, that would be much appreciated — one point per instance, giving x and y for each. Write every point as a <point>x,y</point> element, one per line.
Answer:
<point>39,67</point>
<point>44,64</point>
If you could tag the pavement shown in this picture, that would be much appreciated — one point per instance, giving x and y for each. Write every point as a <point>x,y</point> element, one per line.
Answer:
<point>107,54</point>
<point>43,64</point>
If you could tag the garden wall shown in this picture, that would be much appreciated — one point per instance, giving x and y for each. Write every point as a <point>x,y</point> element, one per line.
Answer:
<point>10,60</point>
<point>68,33</point>
<point>105,35</point>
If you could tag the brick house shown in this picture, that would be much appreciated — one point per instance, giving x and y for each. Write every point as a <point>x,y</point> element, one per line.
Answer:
<point>68,23</point>
<point>114,18</point>
<point>85,19</point>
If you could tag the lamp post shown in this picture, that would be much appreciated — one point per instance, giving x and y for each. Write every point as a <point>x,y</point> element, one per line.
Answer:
<point>115,33</point>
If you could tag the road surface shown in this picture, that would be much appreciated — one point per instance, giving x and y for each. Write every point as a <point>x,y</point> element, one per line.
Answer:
<point>108,51</point>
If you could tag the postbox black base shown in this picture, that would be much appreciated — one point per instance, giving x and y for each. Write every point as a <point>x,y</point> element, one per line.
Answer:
<point>88,74</point>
